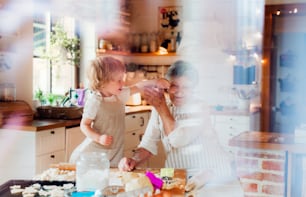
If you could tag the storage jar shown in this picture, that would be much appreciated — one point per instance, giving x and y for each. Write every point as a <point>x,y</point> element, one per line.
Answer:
<point>92,171</point>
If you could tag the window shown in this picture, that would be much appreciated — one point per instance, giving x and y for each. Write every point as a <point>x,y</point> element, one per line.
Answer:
<point>55,66</point>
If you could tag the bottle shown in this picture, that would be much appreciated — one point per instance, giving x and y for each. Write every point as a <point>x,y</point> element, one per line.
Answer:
<point>178,39</point>
<point>172,47</point>
<point>144,43</point>
<point>153,46</point>
<point>136,42</point>
<point>92,172</point>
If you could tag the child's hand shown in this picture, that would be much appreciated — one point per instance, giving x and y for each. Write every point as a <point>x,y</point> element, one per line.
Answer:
<point>156,83</point>
<point>106,140</point>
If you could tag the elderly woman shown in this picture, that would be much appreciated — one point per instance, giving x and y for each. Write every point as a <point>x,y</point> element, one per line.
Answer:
<point>181,121</point>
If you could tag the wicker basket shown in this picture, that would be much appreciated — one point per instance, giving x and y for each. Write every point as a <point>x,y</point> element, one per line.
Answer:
<point>67,113</point>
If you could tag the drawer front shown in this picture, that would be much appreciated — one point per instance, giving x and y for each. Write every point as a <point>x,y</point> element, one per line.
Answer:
<point>43,162</point>
<point>74,137</point>
<point>50,140</point>
<point>136,121</point>
<point>233,119</point>
<point>232,128</point>
<point>129,152</point>
<point>132,139</point>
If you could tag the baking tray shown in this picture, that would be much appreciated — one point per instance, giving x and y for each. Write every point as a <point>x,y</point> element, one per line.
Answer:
<point>5,188</point>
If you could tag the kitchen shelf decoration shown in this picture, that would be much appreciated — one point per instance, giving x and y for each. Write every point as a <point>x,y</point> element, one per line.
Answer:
<point>170,26</point>
<point>245,66</point>
<point>245,94</point>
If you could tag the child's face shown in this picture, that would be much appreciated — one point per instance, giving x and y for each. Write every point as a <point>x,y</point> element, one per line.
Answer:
<point>113,87</point>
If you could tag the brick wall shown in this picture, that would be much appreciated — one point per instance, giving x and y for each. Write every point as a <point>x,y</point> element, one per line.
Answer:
<point>262,173</point>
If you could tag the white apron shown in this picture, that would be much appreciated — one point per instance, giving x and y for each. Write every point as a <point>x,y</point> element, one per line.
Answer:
<point>110,121</point>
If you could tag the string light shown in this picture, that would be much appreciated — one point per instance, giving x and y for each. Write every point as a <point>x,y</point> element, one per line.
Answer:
<point>295,10</point>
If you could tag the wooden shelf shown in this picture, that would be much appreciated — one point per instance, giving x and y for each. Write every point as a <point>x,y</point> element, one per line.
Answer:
<point>125,53</point>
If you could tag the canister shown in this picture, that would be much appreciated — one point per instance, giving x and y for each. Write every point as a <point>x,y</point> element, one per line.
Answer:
<point>92,171</point>
<point>7,92</point>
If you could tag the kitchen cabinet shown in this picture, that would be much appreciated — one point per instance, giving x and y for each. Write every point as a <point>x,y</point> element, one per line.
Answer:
<point>136,124</point>
<point>27,153</point>
<point>228,125</point>
<point>74,137</point>
<point>50,148</point>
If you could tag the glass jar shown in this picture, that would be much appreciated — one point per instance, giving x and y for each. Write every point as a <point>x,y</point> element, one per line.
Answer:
<point>7,92</point>
<point>92,171</point>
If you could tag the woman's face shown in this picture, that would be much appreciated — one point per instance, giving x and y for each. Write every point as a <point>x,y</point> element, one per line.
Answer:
<point>113,87</point>
<point>180,90</point>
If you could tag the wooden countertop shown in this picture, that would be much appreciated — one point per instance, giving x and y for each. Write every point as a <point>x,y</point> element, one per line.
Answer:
<point>220,110</point>
<point>36,125</point>
<point>138,108</point>
<point>43,124</point>
<point>269,141</point>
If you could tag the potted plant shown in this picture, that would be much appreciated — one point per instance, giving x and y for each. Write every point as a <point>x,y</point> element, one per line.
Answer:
<point>39,96</point>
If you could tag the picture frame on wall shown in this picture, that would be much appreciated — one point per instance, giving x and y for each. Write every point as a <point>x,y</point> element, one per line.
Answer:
<point>170,27</point>
<point>170,19</point>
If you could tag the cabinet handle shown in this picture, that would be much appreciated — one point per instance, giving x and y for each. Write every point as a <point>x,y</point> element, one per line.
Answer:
<point>133,133</point>
<point>142,121</point>
<point>52,132</point>
<point>140,137</point>
<point>133,116</point>
<point>133,150</point>
<point>52,156</point>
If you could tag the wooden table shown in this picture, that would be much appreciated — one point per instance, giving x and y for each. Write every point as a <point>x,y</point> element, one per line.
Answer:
<point>178,173</point>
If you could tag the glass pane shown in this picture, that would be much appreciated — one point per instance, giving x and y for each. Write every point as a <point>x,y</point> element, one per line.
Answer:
<point>41,74</point>
<point>53,73</point>
<point>63,78</point>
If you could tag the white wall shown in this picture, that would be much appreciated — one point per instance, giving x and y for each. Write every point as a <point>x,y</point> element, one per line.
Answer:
<point>16,44</point>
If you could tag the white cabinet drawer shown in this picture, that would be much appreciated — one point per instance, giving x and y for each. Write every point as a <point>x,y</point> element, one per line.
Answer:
<point>43,161</point>
<point>50,140</point>
<point>132,139</point>
<point>232,119</point>
<point>129,152</point>
<point>228,126</point>
<point>136,121</point>
<point>232,128</point>
<point>74,137</point>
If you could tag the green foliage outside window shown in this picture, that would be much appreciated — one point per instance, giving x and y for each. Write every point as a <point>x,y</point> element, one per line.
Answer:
<point>60,39</point>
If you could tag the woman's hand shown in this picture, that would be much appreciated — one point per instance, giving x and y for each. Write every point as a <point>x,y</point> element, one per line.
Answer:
<point>106,140</point>
<point>198,180</point>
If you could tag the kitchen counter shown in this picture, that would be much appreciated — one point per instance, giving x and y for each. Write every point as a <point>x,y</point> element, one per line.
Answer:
<point>273,154</point>
<point>269,141</point>
<point>43,124</point>
<point>138,108</point>
<point>233,111</point>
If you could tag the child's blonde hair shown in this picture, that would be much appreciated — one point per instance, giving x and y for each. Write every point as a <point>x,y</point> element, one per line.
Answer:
<point>102,70</point>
